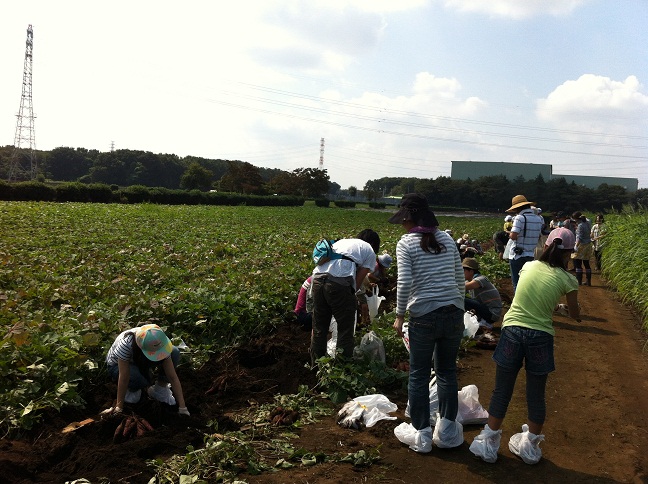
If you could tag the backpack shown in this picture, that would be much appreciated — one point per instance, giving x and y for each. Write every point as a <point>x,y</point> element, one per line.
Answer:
<point>323,252</point>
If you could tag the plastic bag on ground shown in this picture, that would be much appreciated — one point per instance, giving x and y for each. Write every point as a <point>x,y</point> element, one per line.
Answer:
<point>470,411</point>
<point>371,345</point>
<point>373,302</point>
<point>374,408</point>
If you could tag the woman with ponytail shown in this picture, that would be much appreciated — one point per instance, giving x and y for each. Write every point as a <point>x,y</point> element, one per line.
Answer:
<point>431,288</point>
<point>527,337</point>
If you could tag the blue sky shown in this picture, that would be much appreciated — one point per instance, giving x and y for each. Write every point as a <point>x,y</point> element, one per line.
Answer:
<point>396,88</point>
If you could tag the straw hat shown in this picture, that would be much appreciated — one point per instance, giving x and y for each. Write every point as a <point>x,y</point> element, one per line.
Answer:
<point>470,263</point>
<point>519,201</point>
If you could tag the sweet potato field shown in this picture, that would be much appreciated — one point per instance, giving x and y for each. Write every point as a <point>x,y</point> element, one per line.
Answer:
<point>72,276</point>
<point>223,281</point>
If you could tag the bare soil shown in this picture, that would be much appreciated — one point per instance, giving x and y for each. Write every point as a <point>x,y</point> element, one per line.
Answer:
<point>595,432</point>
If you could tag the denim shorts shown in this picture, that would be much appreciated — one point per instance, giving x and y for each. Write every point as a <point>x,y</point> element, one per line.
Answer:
<point>534,348</point>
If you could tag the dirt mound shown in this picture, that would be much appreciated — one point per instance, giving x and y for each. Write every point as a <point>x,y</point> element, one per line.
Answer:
<point>252,374</point>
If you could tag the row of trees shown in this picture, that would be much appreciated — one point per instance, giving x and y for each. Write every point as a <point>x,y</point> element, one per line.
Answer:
<point>132,167</point>
<point>494,193</point>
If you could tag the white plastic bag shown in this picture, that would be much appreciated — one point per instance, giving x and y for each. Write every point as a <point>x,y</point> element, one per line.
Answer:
<point>405,330</point>
<point>470,410</point>
<point>471,325</point>
<point>373,302</point>
<point>376,407</point>
<point>417,440</point>
<point>331,344</point>
<point>507,249</point>
<point>434,400</point>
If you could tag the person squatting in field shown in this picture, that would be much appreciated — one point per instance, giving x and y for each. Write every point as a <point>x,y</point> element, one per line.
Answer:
<point>131,359</point>
<point>484,298</point>
<point>431,288</point>
<point>334,287</point>
<point>527,337</point>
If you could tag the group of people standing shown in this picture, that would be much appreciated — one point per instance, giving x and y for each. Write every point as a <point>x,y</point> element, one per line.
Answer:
<point>524,231</point>
<point>431,289</point>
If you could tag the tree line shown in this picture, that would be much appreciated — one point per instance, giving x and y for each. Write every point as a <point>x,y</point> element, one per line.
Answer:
<point>494,193</point>
<point>124,168</point>
<point>144,168</point>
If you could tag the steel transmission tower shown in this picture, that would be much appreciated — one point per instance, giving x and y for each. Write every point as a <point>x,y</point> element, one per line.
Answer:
<point>321,160</point>
<point>23,163</point>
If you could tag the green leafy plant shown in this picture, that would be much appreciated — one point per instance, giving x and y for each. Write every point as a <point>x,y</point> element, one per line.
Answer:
<point>342,380</point>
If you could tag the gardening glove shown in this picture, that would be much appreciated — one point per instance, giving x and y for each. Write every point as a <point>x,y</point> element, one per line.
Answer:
<point>183,411</point>
<point>351,415</point>
<point>111,411</point>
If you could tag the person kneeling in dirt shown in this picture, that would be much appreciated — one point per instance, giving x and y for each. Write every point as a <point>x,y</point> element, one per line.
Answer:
<point>527,337</point>
<point>484,298</point>
<point>131,359</point>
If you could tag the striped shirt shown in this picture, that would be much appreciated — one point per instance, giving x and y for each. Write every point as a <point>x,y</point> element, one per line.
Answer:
<point>526,239</point>
<point>122,347</point>
<point>428,281</point>
<point>488,295</point>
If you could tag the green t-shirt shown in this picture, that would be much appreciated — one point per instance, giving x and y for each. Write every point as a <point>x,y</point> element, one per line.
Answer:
<point>538,291</point>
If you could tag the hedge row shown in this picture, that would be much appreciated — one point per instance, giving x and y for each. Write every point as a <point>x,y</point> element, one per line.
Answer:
<point>102,193</point>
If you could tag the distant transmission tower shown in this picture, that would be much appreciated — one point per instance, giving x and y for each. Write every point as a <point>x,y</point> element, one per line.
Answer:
<point>23,164</point>
<point>321,161</point>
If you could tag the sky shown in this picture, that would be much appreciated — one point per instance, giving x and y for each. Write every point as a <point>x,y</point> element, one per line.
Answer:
<point>394,88</point>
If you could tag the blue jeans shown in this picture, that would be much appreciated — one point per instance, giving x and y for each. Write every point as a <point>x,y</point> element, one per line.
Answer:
<point>434,336</point>
<point>516,266</point>
<point>139,379</point>
<point>535,349</point>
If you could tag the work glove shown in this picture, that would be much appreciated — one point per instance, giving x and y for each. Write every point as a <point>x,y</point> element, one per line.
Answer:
<point>351,415</point>
<point>111,411</point>
<point>183,411</point>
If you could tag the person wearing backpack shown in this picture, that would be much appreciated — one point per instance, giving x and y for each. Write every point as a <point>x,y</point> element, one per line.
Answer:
<point>334,286</point>
<point>525,233</point>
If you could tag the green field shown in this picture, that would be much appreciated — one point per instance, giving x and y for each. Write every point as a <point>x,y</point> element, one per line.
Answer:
<point>74,275</point>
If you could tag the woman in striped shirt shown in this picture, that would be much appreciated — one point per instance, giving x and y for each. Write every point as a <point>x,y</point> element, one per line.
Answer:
<point>131,359</point>
<point>431,287</point>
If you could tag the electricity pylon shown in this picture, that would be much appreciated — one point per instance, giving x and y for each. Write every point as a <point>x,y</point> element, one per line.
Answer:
<point>23,164</point>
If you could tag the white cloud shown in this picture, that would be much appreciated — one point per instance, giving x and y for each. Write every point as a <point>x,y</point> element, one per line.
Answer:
<point>516,9</point>
<point>598,101</point>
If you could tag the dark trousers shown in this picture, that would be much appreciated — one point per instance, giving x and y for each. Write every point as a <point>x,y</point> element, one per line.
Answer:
<point>331,299</point>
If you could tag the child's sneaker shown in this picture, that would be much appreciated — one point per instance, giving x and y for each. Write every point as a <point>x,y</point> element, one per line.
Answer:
<point>486,444</point>
<point>133,397</point>
<point>447,433</point>
<point>162,393</point>
<point>526,445</point>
